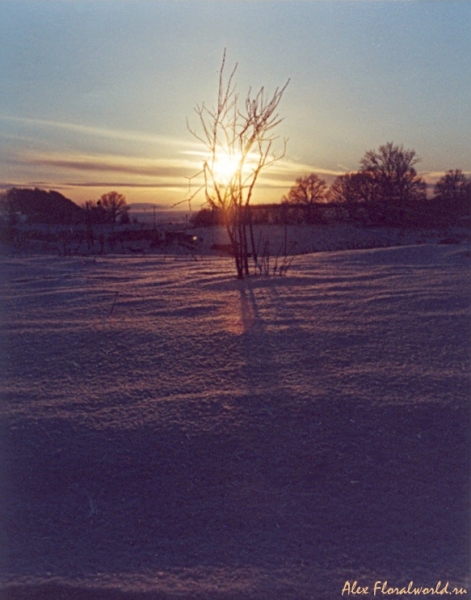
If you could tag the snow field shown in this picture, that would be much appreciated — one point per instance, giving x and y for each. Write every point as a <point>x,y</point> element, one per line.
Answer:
<point>170,431</point>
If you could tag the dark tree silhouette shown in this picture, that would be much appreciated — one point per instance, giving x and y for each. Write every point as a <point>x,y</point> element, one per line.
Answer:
<point>453,186</point>
<point>452,199</point>
<point>305,198</point>
<point>95,214</point>
<point>354,195</point>
<point>206,217</point>
<point>392,173</point>
<point>239,145</point>
<point>307,190</point>
<point>352,188</point>
<point>115,206</point>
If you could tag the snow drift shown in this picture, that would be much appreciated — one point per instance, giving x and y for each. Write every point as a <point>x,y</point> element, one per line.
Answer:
<point>171,432</point>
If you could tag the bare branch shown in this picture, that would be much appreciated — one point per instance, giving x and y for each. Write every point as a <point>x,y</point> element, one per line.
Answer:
<point>242,135</point>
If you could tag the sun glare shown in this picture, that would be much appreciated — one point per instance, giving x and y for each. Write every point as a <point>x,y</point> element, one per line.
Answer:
<point>225,166</point>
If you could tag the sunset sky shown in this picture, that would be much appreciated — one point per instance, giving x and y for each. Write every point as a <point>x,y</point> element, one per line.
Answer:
<point>95,94</point>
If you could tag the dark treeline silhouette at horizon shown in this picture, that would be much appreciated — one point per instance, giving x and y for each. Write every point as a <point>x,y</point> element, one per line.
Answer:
<point>385,191</point>
<point>39,206</point>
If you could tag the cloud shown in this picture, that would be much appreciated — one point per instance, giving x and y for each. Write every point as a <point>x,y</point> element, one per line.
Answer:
<point>136,172</point>
<point>282,175</point>
<point>118,184</point>
<point>90,171</point>
<point>435,175</point>
<point>133,171</point>
<point>80,175</point>
<point>91,164</point>
<point>97,132</point>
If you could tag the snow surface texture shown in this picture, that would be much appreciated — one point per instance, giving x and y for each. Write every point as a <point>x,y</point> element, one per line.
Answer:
<point>172,432</point>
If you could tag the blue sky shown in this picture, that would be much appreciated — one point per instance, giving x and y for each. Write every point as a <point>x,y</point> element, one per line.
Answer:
<point>95,94</point>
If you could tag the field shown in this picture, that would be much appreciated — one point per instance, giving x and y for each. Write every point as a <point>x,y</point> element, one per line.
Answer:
<point>171,432</point>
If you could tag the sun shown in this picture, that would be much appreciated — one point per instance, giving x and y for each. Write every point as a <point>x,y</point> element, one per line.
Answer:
<point>225,166</point>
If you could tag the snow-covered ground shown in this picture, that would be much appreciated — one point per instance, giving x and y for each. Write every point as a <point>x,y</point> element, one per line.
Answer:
<point>305,239</point>
<point>274,240</point>
<point>171,432</point>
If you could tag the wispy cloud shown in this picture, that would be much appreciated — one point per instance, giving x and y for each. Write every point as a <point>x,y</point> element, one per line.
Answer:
<point>100,132</point>
<point>117,164</point>
<point>435,175</point>
<point>181,168</point>
<point>128,166</point>
<point>188,162</point>
<point>84,175</point>
<point>300,169</point>
<point>169,172</point>
<point>282,170</point>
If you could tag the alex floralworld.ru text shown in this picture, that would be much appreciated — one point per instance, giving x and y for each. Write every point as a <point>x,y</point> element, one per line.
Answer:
<point>384,589</point>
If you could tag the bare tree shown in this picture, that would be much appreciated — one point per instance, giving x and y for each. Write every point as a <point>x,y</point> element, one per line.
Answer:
<point>115,206</point>
<point>304,198</point>
<point>392,173</point>
<point>239,144</point>
<point>452,198</point>
<point>453,186</point>
<point>354,195</point>
<point>351,188</point>
<point>307,190</point>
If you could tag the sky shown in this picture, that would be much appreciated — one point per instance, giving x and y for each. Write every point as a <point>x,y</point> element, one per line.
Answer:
<point>95,95</point>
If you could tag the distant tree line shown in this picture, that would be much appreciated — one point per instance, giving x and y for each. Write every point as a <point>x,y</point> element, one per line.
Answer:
<point>42,207</point>
<point>110,208</point>
<point>386,190</point>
